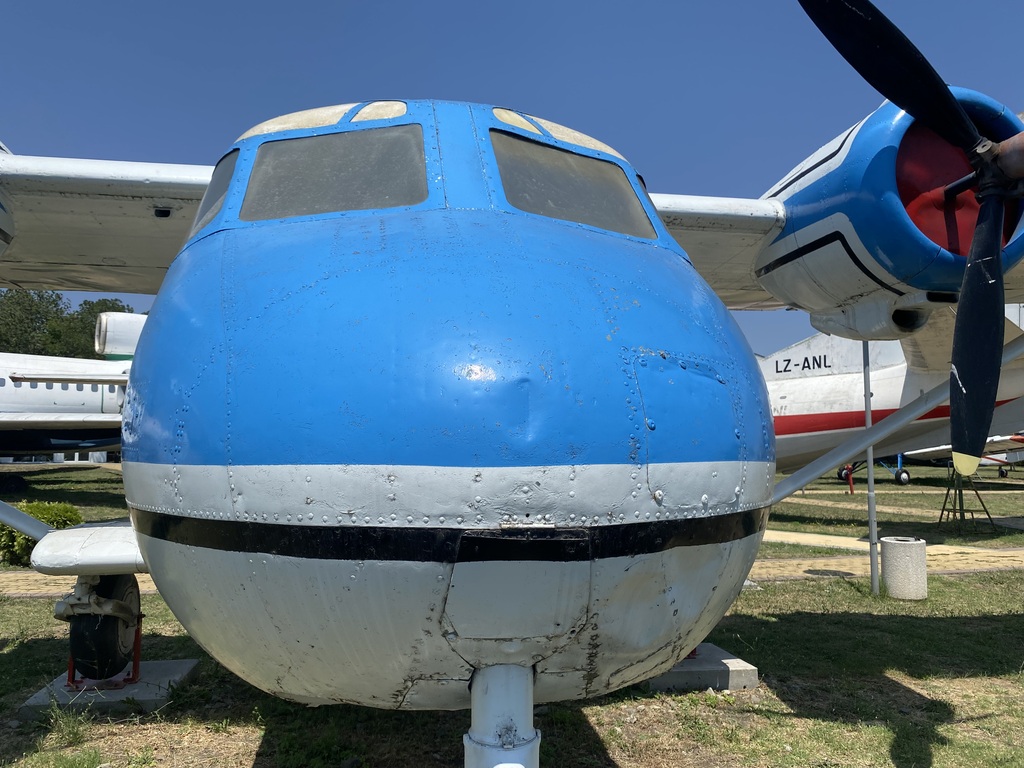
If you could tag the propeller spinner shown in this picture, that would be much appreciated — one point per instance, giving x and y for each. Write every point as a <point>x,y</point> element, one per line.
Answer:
<point>886,59</point>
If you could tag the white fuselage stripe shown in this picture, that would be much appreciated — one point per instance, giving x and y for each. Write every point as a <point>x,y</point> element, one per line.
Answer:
<point>467,497</point>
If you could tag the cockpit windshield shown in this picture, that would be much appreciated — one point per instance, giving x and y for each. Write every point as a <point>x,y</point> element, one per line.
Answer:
<point>549,181</point>
<point>351,171</point>
<point>216,192</point>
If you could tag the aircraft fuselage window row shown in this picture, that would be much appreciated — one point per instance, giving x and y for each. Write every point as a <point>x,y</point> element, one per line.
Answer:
<point>382,168</point>
<point>64,387</point>
<point>49,385</point>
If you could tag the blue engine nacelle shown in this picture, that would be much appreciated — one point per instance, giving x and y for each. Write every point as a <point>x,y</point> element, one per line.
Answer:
<point>871,246</point>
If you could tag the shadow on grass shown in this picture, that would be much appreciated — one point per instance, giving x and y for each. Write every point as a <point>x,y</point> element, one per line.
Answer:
<point>26,666</point>
<point>81,486</point>
<point>825,666</point>
<point>980,531</point>
<point>294,736</point>
<point>919,480</point>
<point>847,678</point>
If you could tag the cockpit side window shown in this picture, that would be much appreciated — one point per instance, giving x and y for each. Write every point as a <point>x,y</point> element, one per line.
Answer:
<point>549,181</point>
<point>351,171</point>
<point>214,196</point>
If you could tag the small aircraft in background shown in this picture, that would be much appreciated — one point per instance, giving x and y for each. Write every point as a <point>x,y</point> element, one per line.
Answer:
<point>533,457</point>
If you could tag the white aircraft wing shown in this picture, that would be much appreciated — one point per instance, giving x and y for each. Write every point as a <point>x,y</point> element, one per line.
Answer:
<point>100,549</point>
<point>96,225</point>
<point>69,377</point>
<point>1013,285</point>
<point>10,420</point>
<point>723,237</point>
<point>996,444</point>
<point>930,349</point>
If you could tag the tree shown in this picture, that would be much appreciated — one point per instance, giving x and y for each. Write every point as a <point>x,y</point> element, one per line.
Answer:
<point>72,334</point>
<point>42,323</point>
<point>25,320</point>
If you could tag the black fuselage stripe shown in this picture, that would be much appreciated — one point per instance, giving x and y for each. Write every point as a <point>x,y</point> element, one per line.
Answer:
<point>822,242</point>
<point>449,545</point>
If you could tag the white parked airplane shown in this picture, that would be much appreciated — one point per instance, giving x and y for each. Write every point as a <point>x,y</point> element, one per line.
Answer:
<point>816,390</point>
<point>57,404</point>
<point>533,457</point>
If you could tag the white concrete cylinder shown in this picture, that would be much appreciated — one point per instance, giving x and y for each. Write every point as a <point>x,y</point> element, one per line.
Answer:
<point>904,567</point>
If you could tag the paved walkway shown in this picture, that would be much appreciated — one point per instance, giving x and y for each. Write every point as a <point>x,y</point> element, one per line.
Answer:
<point>27,583</point>
<point>941,559</point>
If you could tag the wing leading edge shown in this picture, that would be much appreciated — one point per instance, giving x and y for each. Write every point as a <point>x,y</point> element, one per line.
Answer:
<point>723,236</point>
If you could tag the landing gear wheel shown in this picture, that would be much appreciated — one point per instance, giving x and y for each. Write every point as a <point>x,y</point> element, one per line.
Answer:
<point>102,646</point>
<point>902,477</point>
<point>1004,472</point>
<point>843,473</point>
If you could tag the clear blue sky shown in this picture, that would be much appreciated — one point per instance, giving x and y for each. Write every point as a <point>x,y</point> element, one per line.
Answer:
<point>716,98</point>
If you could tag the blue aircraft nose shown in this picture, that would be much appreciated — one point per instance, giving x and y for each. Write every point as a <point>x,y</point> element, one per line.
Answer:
<point>492,345</point>
<point>357,432</point>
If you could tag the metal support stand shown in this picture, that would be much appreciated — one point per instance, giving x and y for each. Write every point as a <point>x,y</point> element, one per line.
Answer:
<point>956,512</point>
<point>872,517</point>
<point>501,732</point>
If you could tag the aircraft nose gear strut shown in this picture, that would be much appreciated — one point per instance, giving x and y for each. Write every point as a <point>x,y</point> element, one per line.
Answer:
<point>501,732</point>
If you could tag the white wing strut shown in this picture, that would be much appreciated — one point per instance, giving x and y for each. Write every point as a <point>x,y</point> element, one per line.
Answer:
<point>19,521</point>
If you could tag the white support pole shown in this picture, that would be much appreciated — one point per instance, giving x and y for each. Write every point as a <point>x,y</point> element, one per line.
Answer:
<point>501,732</point>
<point>872,518</point>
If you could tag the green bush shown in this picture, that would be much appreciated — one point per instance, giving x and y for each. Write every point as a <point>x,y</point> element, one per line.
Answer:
<point>15,547</point>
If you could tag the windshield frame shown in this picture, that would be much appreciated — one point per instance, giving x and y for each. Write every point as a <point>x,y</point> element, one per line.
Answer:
<point>228,215</point>
<point>650,225</point>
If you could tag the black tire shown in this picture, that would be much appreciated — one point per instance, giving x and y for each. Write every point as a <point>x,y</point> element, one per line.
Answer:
<point>843,474</point>
<point>902,477</point>
<point>1004,472</point>
<point>101,646</point>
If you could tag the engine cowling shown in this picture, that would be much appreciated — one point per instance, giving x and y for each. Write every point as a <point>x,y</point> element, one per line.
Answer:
<point>871,246</point>
<point>117,334</point>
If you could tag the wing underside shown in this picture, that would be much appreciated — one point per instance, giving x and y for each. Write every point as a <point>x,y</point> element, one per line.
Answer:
<point>95,225</point>
<point>59,421</point>
<point>723,237</point>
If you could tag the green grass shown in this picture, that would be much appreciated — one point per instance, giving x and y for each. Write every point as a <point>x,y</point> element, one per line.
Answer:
<point>89,758</point>
<point>97,493</point>
<point>848,680</point>
<point>847,674</point>
<point>773,550</point>
<point>830,520</point>
<point>826,508</point>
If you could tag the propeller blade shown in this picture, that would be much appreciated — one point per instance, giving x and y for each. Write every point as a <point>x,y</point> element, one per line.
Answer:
<point>977,340</point>
<point>886,59</point>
